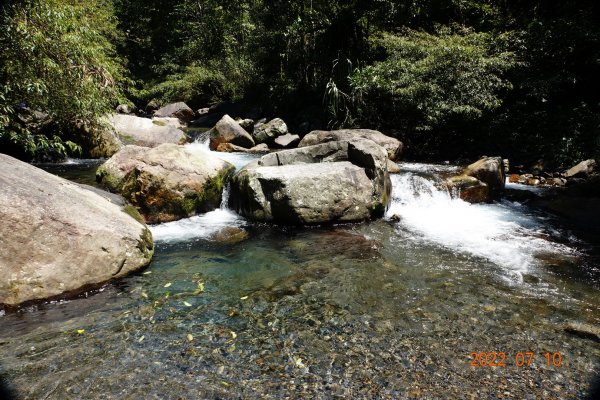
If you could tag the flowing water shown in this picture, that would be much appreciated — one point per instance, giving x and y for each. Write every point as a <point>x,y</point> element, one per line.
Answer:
<point>388,309</point>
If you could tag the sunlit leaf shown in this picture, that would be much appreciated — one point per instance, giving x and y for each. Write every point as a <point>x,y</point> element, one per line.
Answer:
<point>167,285</point>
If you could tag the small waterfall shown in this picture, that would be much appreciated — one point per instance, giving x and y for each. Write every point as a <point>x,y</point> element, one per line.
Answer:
<point>205,225</point>
<point>225,197</point>
<point>504,233</point>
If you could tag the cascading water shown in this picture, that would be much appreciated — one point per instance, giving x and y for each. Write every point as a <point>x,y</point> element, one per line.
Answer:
<point>206,225</point>
<point>504,233</point>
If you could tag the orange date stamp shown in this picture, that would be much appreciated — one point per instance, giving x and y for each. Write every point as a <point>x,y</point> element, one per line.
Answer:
<point>520,359</point>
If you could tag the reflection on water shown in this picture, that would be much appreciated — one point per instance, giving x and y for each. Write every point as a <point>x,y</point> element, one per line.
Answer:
<point>379,310</point>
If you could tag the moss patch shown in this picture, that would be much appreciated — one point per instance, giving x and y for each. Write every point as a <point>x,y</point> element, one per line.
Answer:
<point>133,213</point>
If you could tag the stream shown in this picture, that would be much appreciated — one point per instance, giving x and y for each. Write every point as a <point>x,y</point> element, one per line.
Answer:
<point>393,308</point>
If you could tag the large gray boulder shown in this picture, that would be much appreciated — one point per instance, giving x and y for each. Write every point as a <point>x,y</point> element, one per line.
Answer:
<point>168,182</point>
<point>176,110</point>
<point>60,238</point>
<point>227,130</point>
<point>391,145</point>
<point>143,131</point>
<point>332,182</point>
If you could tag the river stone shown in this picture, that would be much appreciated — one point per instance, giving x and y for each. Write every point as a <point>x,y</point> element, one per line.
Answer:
<point>98,142</point>
<point>229,131</point>
<point>586,331</point>
<point>332,182</point>
<point>393,168</point>
<point>268,132</point>
<point>58,237</point>
<point>176,110</point>
<point>583,169</point>
<point>468,188</point>
<point>247,124</point>
<point>286,141</point>
<point>391,145</point>
<point>168,182</point>
<point>489,170</point>
<point>232,148</point>
<point>143,131</point>
<point>125,109</point>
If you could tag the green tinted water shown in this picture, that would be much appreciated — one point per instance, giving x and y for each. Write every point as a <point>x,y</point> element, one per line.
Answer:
<point>378,310</point>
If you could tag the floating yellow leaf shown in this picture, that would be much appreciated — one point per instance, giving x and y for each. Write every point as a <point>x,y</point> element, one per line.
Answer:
<point>224,383</point>
<point>190,337</point>
<point>185,303</point>
<point>168,284</point>
<point>140,340</point>
<point>80,331</point>
<point>244,298</point>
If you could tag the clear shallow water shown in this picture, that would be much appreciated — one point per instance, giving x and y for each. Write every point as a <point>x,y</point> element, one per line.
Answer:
<point>379,310</point>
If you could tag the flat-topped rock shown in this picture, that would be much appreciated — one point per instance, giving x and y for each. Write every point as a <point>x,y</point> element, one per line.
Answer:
<point>392,146</point>
<point>332,182</point>
<point>144,132</point>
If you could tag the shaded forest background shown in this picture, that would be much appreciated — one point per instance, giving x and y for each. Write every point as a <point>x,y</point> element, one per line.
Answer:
<point>450,78</point>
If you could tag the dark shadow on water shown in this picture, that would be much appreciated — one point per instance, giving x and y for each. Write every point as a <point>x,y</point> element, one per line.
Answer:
<point>594,392</point>
<point>7,392</point>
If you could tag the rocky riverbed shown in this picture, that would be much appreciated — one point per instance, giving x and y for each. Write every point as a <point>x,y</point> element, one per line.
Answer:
<point>386,309</point>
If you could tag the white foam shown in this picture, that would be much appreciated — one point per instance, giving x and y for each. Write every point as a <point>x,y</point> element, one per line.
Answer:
<point>239,160</point>
<point>198,227</point>
<point>501,233</point>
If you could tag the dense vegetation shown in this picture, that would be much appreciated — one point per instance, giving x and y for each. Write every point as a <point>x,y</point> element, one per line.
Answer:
<point>451,78</point>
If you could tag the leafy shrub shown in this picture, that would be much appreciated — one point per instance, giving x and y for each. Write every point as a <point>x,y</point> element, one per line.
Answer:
<point>430,81</point>
<point>57,57</point>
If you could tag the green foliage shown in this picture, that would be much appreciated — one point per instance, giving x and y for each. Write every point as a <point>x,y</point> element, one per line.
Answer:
<point>57,57</point>
<point>195,85</point>
<point>431,79</point>
<point>195,51</point>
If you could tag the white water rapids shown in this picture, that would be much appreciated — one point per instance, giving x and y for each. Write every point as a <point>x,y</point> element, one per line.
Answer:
<point>505,233</point>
